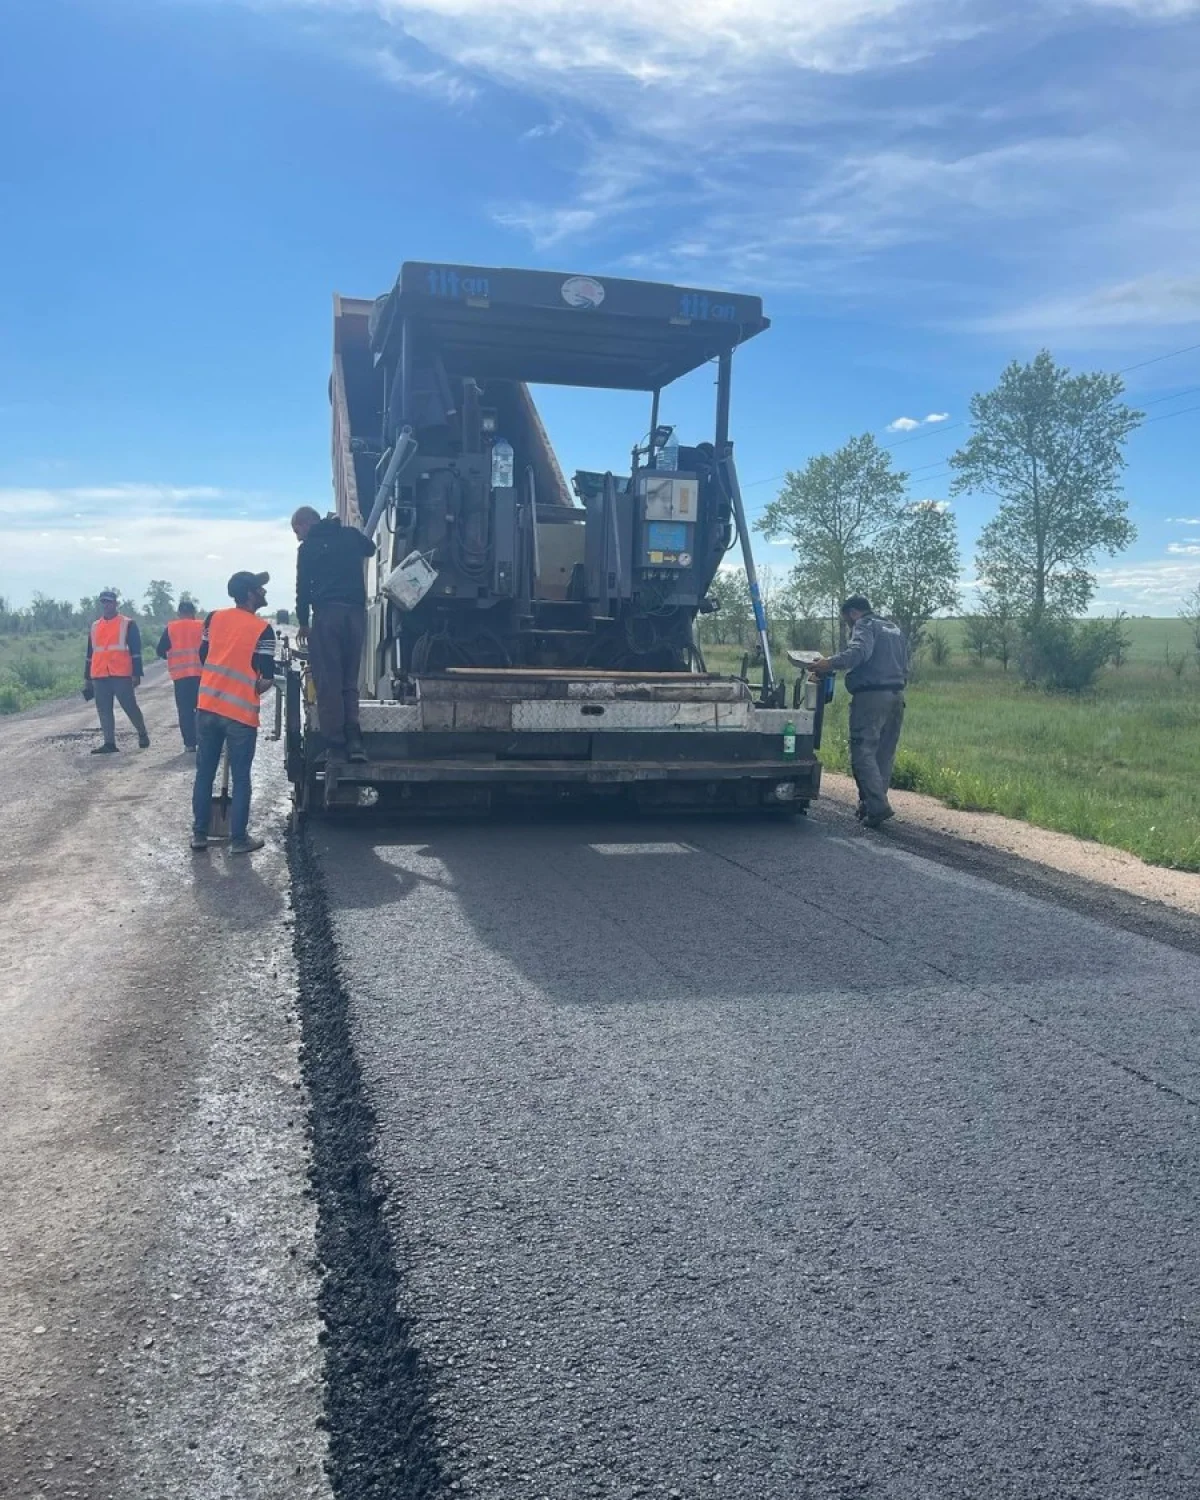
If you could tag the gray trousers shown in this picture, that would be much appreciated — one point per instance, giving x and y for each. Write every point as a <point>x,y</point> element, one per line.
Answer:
<point>876,718</point>
<point>120,688</point>
<point>335,648</point>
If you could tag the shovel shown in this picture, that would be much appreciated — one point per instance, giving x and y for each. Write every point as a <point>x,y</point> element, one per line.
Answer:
<point>218,811</point>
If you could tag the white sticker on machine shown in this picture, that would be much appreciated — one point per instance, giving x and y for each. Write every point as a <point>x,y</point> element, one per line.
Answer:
<point>582,291</point>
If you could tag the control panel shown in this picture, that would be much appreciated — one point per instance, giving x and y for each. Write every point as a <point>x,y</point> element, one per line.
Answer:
<point>669,506</point>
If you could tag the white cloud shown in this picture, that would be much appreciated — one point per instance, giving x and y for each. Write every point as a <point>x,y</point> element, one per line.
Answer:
<point>127,534</point>
<point>1184,549</point>
<point>1151,587</point>
<point>910,424</point>
<point>1183,520</point>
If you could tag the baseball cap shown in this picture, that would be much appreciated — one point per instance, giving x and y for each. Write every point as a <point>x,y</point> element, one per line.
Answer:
<point>107,594</point>
<point>241,583</point>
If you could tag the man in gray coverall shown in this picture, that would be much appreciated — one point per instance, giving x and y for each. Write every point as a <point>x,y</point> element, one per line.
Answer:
<point>876,667</point>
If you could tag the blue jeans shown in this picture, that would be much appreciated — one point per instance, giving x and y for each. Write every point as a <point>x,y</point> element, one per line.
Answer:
<point>212,732</point>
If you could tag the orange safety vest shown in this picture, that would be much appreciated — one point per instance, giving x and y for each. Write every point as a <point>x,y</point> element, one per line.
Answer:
<point>227,677</point>
<point>183,648</point>
<point>111,656</point>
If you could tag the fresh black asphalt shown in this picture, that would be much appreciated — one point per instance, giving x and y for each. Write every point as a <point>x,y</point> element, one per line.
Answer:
<point>746,1161</point>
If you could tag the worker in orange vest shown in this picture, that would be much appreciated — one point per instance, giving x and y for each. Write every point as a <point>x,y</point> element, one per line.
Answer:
<point>112,671</point>
<point>237,652</point>
<point>179,647</point>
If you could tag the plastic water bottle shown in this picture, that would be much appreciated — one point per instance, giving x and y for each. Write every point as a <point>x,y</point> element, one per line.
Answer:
<point>789,741</point>
<point>502,464</point>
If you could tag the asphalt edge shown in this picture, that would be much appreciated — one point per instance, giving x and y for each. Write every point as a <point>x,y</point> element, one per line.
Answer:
<point>1138,915</point>
<point>382,1443</point>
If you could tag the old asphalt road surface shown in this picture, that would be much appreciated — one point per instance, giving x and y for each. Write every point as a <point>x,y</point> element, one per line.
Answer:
<point>743,1162</point>
<point>158,1298</point>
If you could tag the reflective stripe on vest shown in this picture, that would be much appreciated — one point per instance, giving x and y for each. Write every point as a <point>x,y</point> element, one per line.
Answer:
<point>111,656</point>
<point>227,677</point>
<point>183,649</point>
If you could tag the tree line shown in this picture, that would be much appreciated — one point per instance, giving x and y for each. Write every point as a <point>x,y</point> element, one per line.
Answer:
<point>47,614</point>
<point>1048,445</point>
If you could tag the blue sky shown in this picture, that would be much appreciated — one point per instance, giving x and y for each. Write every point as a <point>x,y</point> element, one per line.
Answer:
<point>920,192</point>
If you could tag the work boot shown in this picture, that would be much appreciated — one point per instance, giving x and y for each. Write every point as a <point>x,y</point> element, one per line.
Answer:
<point>354,744</point>
<point>143,742</point>
<point>860,812</point>
<point>106,749</point>
<point>199,841</point>
<point>880,818</point>
<point>247,845</point>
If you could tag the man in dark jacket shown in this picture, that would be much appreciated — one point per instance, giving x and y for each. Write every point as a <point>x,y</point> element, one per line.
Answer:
<point>876,667</point>
<point>330,585</point>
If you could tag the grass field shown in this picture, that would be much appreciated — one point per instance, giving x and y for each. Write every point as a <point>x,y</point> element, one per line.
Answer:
<point>1119,765</point>
<point>33,667</point>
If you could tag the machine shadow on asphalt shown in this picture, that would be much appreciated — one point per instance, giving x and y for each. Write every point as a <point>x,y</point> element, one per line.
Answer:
<point>540,892</point>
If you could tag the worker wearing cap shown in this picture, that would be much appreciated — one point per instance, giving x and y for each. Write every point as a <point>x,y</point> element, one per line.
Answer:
<point>330,582</point>
<point>179,647</point>
<point>237,652</point>
<point>112,671</point>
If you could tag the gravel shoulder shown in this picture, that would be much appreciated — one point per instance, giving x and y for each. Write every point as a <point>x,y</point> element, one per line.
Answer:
<point>158,1324</point>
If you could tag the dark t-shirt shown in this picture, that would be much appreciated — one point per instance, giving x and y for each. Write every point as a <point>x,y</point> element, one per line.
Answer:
<point>329,567</point>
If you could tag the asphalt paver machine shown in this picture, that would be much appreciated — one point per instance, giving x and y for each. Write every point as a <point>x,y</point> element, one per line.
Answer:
<point>526,639</point>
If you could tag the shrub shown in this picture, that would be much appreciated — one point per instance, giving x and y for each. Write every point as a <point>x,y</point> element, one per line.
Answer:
<point>940,650</point>
<point>37,676</point>
<point>12,700</point>
<point>1064,656</point>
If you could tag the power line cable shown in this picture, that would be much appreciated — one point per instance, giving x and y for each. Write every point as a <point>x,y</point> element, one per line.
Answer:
<point>953,426</point>
<point>1158,359</point>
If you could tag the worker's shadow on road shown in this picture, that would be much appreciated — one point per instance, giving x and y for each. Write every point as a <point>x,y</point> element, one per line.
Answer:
<point>233,892</point>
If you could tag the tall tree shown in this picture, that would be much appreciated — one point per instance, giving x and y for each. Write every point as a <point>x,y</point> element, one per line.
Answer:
<point>732,624</point>
<point>836,511</point>
<point>160,599</point>
<point>917,568</point>
<point>1191,613</point>
<point>1049,445</point>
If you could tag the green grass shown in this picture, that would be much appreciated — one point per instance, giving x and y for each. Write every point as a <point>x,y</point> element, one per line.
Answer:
<point>35,667</point>
<point>1118,765</point>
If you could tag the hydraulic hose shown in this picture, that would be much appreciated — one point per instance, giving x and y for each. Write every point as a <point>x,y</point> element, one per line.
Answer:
<point>404,450</point>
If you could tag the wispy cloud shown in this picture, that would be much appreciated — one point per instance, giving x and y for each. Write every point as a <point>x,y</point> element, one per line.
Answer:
<point>19,504</point>
<point>447,84</point>
<point>1159,299</point>
<point>1153,587</point>
<point>835,146</point>
<point>1184,549</point>
<point>1183,520</point>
